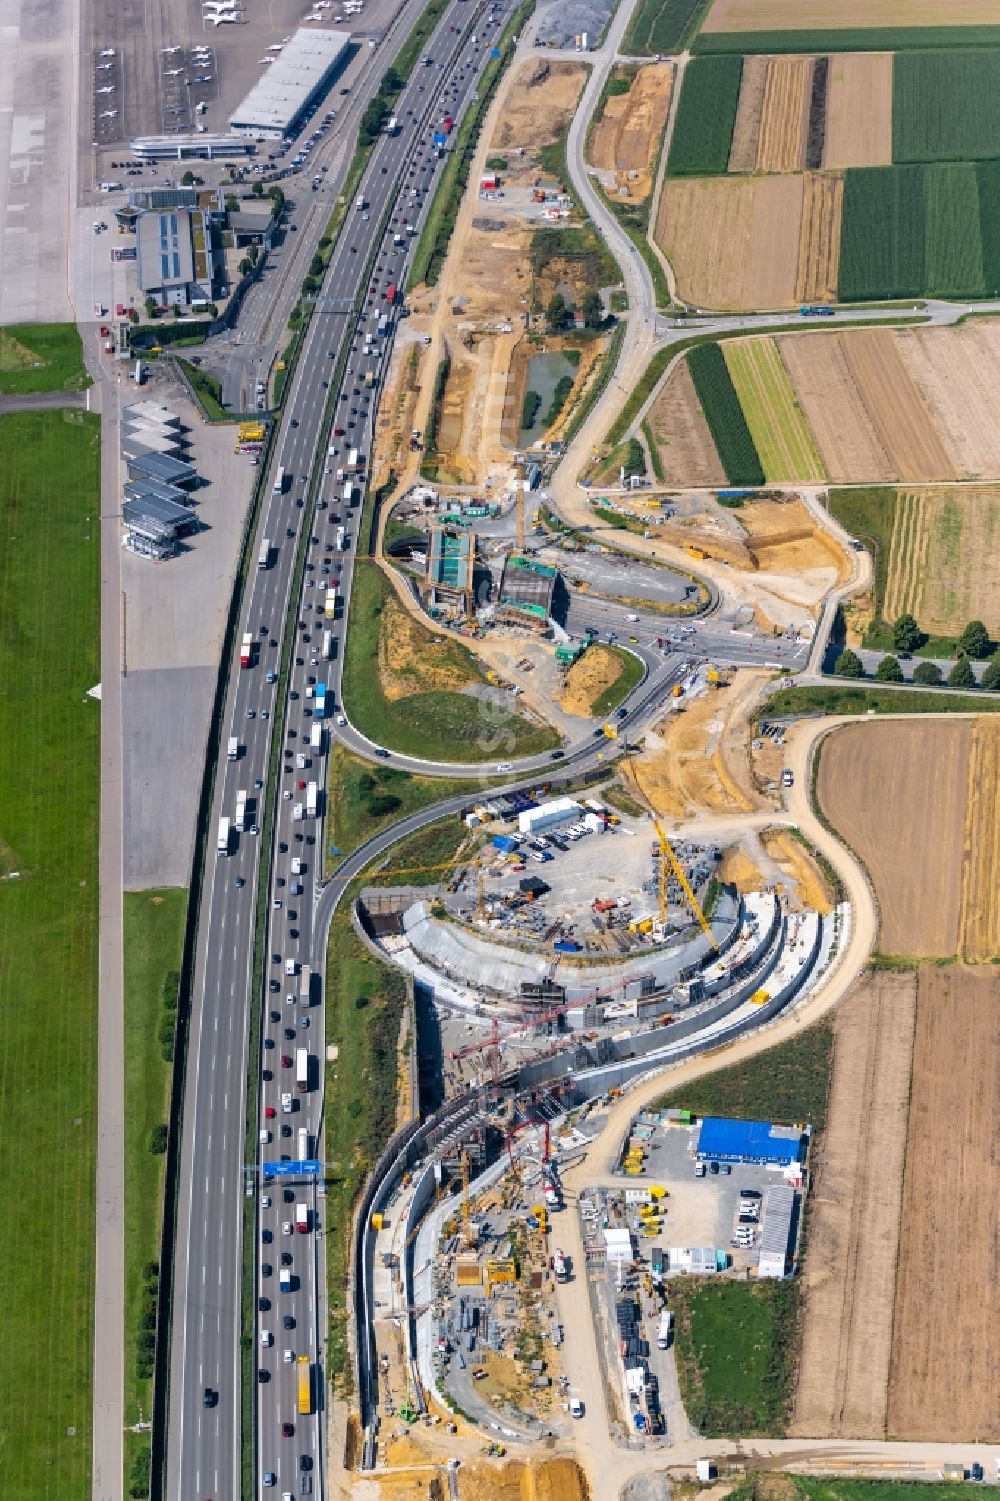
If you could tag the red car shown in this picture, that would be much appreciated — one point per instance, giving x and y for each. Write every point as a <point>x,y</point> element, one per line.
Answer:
<point>338,432</point>
<point>287,1430</point>
<point>286,1062</point>
<point>269,1112</point>
<point>300,786</point>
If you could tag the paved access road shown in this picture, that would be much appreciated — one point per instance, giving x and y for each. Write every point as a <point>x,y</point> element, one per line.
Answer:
<point>204,1442</point>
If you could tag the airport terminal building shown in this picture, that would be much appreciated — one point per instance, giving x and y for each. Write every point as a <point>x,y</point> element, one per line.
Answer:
<point>301,72</point>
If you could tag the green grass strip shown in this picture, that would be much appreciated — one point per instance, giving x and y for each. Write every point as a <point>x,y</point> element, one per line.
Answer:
<point>776,421</point>
<point>38,357</point>
<point>849,39</point>
<point>50,509</point>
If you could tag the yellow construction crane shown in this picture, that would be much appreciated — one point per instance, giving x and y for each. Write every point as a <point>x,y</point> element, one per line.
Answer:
<point>667,854</point>
<point>519,512</point>
<point>466,1166</point>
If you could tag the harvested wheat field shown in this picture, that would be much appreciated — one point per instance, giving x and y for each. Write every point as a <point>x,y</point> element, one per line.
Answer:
<point>979,921</point>
<point>895,406</point>
<point>696,760</point>
<point>945,1376</point>
<point>850,1270</point>
<point>957,371</point>
<point>733,241</point>
<point>784,120</point>
<point>845,435</point>
<point>819,237</point>
<point>626,139</point>
<point>538,104</point>
<point>943,563</point>
<point>838,15</point>
<point>896,794</point>
<point>685,446</point>
<point>859,110</point>
<point>743,147</point>
<point>779,431</point>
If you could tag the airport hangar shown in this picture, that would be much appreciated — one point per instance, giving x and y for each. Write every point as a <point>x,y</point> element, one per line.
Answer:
<point>302,71</point>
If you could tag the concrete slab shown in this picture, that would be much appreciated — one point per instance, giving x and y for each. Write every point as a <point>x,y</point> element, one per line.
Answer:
<point>37,61</point>
<point>166,721</point>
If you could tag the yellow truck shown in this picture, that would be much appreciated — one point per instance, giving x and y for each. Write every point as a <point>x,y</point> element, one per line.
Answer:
<point>305,1385</point>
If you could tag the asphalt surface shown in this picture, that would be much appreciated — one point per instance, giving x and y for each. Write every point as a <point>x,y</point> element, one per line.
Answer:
<point>204,1442</point>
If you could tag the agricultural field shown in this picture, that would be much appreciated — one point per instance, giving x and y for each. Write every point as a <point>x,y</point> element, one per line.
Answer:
<point>687,453</point>
<point>859,110</point>
<point>944,1380</point>
<point>662,26</point>
<point>49,790</point>
<point>943,563</point>
<point>625,140</point>
<point>778,429</point>
<point>706,115</point>
<point>734,242</point>
<point>724,415</point>
<point>946,106</point>
<point>979,921</point>
<point>780,118</point>
<point>845,25</point>
<point>924,229</point>
<point>872,780</point>
<point>849,1274</point>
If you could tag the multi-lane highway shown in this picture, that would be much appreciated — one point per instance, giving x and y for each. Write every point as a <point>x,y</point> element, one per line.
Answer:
<point>205,1436</point>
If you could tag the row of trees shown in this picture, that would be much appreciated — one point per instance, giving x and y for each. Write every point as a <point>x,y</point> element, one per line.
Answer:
<point>927,674</point>
<point>974,641</point>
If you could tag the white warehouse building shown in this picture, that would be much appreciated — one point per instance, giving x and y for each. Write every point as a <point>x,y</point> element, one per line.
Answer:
<point>776,1233</point>
<point>300,73</point>
<point>548,815</point>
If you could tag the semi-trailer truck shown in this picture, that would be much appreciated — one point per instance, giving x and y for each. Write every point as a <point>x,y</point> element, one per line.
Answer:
<point>240,821</point>
<point>303,1144</point>
<point>348,491</point>
<point>302,1070</point>
<point>330,604</point>
<point>222,847</point>
<point>305,986</point>
<point>264,560</point>
<point>339,541</point>
<point>233,749</point>
<point>304,1368</point>
<point>302,1219</point>
<point>319,709</point>
<point>312,800</point>
<point>352,459</point>
<point>327,652</point>
<point>279,482</point>
<point>246,650</point>
<point>316,738</point>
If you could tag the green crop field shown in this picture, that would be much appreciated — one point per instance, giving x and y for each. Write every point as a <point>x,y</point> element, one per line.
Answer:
<point>849,39</point>
<point>662,26</point>
<point>910,231</point>
<point>724,415</point>
<point>438,724</point>
<point>953,248</point>
<point>735,1348</point>
<point>882,235</point>
<point>946,106</point>
<point>41,357</point>
<point>49,783</point>
<point>777,424</point>
<point>787,1083</point>
<point>706,114</point>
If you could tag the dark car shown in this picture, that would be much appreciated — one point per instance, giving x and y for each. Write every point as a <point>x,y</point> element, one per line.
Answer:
<point>305,1462</point>
<point>209,1397</point>
<point>558,756</point>
<point>288,1195</point>
<point>263,1303</point>
<point>286,1258</point>
<point>287,1430</point>
<point>263,1376</point>
<point>283,848</point>
<point>265,1269</point>
<point>289,1033</point>
<point>287,1322</point>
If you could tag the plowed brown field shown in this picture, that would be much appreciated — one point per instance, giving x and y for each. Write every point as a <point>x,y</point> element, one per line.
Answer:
<point>687,453</point>
<point>957,371</point>
<point>781,142</point>
<point>945,1375</point>
<point>849,1279</point>
<point>743,150</point>
<point>895,406</point>
<point>626,139</point>
<point>848,443</point>
<point>979,925</point>
<point>859,110</point>
<point>733,241</point>
<point>896,793</point>
<point>819,237</point>
<point>832,15</point>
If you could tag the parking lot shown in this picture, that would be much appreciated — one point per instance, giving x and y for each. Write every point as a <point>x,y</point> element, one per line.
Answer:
<point>700,1211</point>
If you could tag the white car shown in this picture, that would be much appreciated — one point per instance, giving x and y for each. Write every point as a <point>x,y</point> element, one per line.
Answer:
<point>264,1138</point>
<point>341,719</point>
<point>575,1407</point>
<point>266,1337</point>
<point>288,1356</point>
<point>265,1201</point>
<point>286,1227</point>
<point>286,1104</point>
<point>505,766</point>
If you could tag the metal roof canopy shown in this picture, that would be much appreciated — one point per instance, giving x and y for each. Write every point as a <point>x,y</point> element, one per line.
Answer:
<point>160,466</point>
<point>749,1141</point>
<point>303,67</point>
